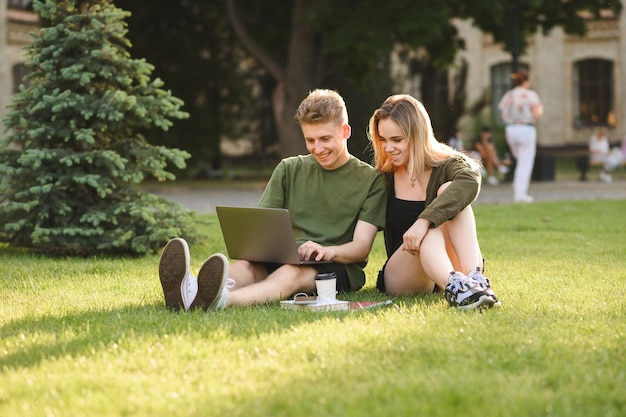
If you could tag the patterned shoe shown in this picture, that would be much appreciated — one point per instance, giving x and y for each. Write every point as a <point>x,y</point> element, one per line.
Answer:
<point>212,283</point>
<point>173,269</point>
<point>466,294</point>
<point>483,282</point>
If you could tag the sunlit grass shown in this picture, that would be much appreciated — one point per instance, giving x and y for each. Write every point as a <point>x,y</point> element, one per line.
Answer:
<point>90,337</point>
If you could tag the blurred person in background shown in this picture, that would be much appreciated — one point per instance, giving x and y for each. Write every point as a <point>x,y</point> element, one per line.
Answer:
<point>600,151</point>
<point>489,156</point>
<point>520,109</point>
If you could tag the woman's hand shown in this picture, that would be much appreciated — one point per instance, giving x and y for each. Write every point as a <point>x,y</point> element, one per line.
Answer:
<point>413,237</point>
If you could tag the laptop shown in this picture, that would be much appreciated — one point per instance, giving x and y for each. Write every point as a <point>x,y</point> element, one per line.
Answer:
<point>260,235</point>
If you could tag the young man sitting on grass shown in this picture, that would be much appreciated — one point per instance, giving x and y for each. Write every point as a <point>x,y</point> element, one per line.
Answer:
<point>335,200</point>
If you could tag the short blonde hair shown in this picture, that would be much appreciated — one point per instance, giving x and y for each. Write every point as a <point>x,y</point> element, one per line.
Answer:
<point>322,106</point>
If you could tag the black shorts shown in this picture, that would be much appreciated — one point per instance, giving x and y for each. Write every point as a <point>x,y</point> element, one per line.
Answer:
<point>343,284</point>
<point>380,282</point>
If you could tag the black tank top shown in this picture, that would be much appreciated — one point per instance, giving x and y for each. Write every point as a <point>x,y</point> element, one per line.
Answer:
<point>401,214</point>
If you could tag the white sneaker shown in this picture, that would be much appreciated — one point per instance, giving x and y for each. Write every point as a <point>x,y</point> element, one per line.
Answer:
<point>483,282</point>
<point>524,199</point>
<point>222,300</point>
<point>189,290</point>
<point>212,283</point>
<point>465,294</point>
<point>503,169</point>
<point>491,180</point>
<point>606,177</point>
<point>173,272</point>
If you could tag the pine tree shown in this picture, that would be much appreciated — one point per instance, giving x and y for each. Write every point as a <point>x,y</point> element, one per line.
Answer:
<point>71,168</point>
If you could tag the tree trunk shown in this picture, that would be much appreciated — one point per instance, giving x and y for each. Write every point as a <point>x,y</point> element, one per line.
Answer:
<point>299,79</point>
<point>293,82</point>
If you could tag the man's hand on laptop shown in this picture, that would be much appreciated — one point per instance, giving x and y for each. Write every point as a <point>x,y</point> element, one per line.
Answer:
<point>312,251</point>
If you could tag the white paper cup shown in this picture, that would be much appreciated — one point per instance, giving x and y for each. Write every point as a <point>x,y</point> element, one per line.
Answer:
<point>326,285</point>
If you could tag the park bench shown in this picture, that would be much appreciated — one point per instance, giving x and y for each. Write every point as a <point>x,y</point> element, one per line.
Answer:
<point>579,152</point>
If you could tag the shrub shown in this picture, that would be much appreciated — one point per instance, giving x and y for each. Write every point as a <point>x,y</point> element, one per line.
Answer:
<point>73,163</point>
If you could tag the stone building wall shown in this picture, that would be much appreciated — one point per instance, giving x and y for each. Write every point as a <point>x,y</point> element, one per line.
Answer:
<point>16,27</point>
<point>5,67</point>
<point>551,61</point>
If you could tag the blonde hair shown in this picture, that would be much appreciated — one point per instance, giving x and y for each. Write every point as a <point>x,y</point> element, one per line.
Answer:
<point>322,106</point>
<point>425,151</point>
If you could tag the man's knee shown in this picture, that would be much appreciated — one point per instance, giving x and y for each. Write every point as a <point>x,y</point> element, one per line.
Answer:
<point>246,273</point>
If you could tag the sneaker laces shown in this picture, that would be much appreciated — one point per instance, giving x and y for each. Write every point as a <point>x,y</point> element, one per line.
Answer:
<point>459,282</point>
<point>483,284</point>
<point>223,297</point>
<point>477,276</point>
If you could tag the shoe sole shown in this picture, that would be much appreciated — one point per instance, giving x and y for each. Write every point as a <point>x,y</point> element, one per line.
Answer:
<point>490,293</point>
<point>173,267</point>
<point>211,279</point>
<point>484,301</point>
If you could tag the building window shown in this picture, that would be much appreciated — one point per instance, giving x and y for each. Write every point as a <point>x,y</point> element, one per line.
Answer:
<point>21,5</point>
<point>434,94</point>
<point>434,88</point>
<point>501,82</point>
<point>19,72</point>
<point>593,93</point>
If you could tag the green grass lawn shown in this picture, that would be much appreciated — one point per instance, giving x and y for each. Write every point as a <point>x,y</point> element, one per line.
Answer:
<point>91,337</point>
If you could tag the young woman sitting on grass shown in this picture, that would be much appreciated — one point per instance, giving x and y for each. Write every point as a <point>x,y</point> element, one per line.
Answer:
<point>430,231</point>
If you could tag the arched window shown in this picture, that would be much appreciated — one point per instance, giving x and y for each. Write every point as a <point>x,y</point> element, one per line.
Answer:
<point>593,93</point>
<point>21,4</point>
<point>501,83</point>
<point>435,96</point>
<point>19,72</point>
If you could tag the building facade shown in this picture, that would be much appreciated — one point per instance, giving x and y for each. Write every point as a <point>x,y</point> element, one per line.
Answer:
<point>581,80</point>
<point>16,26</point>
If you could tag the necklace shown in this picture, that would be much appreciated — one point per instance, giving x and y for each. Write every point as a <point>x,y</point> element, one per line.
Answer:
<point>411,180</point>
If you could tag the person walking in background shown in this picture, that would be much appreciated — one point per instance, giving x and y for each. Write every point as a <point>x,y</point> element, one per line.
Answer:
<point>489,156</point>
<point>520,108</point>
<point>600,150</point>
<point>430,231</point>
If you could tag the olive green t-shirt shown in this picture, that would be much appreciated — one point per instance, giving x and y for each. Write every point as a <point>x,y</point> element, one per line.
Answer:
<point>325,205</point>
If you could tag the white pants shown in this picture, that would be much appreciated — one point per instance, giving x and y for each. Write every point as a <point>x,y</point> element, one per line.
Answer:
<point>522,140</point>
<point>611,160</point>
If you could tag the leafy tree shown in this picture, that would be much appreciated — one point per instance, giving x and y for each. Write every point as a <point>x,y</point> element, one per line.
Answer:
<point>72,186</point>
<point>195,52</point>
<point>329,37</point>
